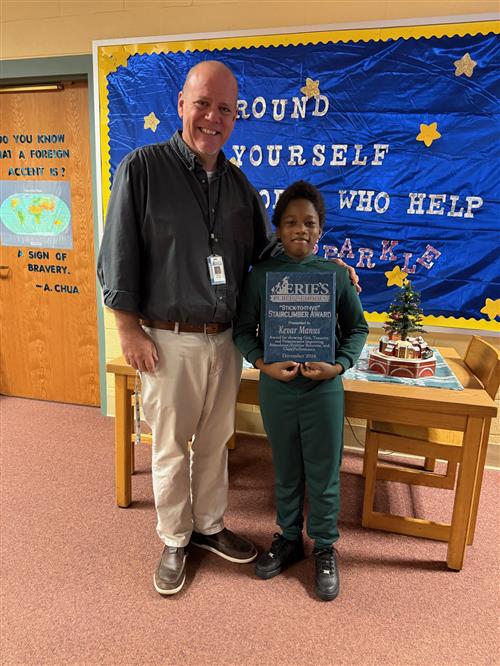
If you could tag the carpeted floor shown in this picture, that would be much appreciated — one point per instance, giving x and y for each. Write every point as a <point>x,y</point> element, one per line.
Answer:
<point>77,571</point>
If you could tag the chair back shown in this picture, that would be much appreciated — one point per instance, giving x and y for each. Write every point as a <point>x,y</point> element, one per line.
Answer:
<point>484,362</point>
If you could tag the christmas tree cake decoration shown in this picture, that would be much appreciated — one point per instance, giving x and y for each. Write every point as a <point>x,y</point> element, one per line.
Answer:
<point>400,354</point>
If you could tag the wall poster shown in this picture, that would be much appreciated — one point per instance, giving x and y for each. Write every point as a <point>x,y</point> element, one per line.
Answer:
<point>36,213</point>
<point>397,126</point>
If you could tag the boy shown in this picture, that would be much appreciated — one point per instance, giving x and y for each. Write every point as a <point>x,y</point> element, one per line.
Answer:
<point>302,404</point>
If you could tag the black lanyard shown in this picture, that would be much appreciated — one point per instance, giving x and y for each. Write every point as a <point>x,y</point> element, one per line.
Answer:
<point>204,202</point>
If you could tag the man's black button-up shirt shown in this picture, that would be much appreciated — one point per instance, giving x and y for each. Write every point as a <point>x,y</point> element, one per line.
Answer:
<point>165,217</point>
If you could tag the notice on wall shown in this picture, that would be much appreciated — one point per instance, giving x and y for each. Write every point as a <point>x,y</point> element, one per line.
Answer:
<point>36,213</point>
<point>52,265</point>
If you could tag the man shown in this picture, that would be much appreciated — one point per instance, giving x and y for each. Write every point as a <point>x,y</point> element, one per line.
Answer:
<point>183,227</point>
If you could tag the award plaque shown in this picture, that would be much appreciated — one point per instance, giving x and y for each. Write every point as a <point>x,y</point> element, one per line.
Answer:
<point>300,317</point>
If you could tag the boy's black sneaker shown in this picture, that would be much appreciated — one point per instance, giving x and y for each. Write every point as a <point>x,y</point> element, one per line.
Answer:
<point>327,573</point>
<point>281,554</point>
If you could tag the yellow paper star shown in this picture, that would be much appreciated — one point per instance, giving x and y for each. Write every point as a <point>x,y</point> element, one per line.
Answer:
<point>491,308</point>
<point>464,66</point>
<point>395,277</point>
<point>428,134</point>
<point>311,89</point>
<point>151,122</point>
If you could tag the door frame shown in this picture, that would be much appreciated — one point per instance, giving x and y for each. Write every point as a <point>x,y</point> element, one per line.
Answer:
<point>69,68</point>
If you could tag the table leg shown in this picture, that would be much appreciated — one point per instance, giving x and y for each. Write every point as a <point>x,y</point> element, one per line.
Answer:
<point>123,444</point>
<point>464,493</point>
<point>479,480</point>
<point>370,474</point>
<point>132,431</point>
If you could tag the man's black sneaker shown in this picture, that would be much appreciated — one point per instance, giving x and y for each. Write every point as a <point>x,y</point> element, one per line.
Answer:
<point>281,554</point>
<point>226,544</point>
<point>327,573</point>
<point>171,571</point>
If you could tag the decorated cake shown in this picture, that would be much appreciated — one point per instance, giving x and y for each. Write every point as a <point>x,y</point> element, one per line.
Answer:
<point>403,358</point>
<point>399,353</point>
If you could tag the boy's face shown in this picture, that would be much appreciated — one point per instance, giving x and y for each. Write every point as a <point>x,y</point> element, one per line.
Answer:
<point>299,228</point>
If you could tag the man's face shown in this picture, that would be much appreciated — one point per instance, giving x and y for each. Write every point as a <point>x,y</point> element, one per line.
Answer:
<point>207,106</point>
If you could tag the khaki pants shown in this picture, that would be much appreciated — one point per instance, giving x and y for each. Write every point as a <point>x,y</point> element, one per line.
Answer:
<point>192,393</point>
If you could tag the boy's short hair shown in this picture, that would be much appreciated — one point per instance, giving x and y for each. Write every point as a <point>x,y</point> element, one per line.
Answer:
<point>301,189</point>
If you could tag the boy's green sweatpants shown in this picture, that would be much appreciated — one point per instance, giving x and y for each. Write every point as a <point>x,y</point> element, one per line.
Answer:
<point>304,421</point>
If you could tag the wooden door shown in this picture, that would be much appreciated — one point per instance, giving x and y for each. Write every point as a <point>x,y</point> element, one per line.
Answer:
<point>48,314</point>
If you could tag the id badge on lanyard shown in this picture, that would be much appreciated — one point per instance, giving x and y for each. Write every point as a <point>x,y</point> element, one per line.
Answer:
<point>216,269</point>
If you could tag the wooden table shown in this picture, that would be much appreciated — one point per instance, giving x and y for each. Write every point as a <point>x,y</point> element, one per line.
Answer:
<point>469,411</point>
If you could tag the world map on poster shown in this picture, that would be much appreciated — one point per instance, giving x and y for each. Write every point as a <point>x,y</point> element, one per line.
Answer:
<point>37,214</point>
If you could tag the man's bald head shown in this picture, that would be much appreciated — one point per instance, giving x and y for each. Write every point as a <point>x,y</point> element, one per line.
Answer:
<point>207,105</point>
<point>209,68</point>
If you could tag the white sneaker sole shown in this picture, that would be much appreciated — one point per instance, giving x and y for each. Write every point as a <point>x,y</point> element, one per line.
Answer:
<point>223,555</point>
<point>168,592</point>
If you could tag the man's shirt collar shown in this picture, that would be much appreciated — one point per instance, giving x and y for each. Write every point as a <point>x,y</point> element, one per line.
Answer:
<point>190,158</point>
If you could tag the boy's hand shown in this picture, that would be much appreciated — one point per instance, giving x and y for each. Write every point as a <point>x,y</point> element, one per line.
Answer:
<point>284,371</point>
<point>319,370</point>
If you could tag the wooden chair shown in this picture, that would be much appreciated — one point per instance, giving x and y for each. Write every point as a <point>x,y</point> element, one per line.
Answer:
<point>483,361</point>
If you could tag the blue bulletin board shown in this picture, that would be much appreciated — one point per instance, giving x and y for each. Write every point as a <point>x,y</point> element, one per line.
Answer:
<point>398,127</point>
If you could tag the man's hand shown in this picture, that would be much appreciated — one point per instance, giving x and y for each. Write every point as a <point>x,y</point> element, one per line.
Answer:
<point>319,370</point>
<point>139,350</point>
<point>353,276</point>
<point>284,371</point>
